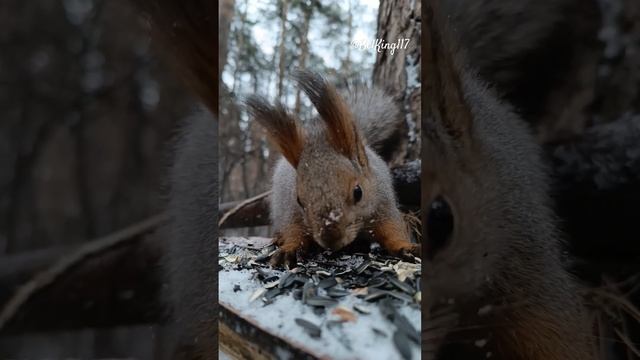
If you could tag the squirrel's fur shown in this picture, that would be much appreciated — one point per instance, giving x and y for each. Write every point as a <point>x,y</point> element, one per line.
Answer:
<point>500,277</point>
<point>187,33</point>
<point>192,238</point>
<point>324,161</point>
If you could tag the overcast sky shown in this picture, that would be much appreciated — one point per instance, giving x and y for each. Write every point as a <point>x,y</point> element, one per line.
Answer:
<point>267,32</point>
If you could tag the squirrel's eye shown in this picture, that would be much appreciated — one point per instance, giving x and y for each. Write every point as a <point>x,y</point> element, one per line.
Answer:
<point>439,225</point>
<point>357,193</point>
<point>299,202</point>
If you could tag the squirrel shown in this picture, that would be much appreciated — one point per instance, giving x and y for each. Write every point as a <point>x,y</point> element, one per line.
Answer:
<point>192,240</point>
<point>330,186</point>
<point>187,34</point>
<point>541,55</point>
<point>494,282</point>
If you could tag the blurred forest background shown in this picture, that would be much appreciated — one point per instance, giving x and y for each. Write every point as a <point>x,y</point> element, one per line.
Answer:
<point>87,118</point>
<point>265,41</point>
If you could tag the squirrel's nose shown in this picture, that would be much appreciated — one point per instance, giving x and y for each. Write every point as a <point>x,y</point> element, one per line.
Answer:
<point>331,236</point>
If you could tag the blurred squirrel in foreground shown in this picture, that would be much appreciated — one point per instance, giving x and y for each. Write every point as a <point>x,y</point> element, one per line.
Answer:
<point>331,186</point>
<point>187,34</point>
<point>494,283</point>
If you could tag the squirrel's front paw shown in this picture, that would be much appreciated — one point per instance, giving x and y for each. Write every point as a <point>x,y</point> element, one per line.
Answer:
<point>284,258</point>
<point>410,251</point>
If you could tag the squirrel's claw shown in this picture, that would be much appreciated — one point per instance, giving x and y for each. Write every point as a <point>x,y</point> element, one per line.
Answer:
<point>283,258</point>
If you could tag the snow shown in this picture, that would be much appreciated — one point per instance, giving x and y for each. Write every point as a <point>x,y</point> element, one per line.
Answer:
<point>344,341</point>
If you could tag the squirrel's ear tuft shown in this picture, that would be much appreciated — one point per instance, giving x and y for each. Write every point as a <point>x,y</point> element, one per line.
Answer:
<point>447,111</point>
<point>333,110</point>
<point>284,131</point>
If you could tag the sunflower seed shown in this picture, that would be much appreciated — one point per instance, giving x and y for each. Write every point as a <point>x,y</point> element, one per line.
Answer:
<point>308,290</point>
<point>270,279</point>
<point>262,258</point>
<point>323,273</point>
<point>376,283</point>
<point>379,332</point>
<point>333,292</point>
<point>362,309</point>
<point>402,344</point>
<point>312,329</point>
<point>262,273</point>
<point>321,301</point>
<point>401,296</point>
<point>362,267</point>
<point>273,293</point>
<point>378,294</point>
<point>403,324</point>
<point>327,283</point>
<point>401,285</point>
<point>346,271</point>
<point>286,280</point>
<point>297,294</point>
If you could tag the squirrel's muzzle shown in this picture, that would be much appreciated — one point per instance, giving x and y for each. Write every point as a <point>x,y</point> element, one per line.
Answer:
<point>331,236</point>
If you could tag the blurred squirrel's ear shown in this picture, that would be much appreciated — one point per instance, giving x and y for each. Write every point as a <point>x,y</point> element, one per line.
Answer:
<point>284,131</point>
<point>448,115</point>
<point>333,110</point>
<point>187,32</point>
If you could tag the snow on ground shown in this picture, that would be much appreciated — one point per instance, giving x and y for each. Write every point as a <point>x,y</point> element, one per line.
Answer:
<point>347,340</point>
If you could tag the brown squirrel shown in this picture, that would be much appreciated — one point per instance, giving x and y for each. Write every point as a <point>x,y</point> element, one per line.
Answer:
<point>494,282</point>
<point>331,186</point>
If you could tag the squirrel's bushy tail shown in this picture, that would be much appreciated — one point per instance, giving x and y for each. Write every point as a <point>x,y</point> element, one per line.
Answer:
<point>378,117</point>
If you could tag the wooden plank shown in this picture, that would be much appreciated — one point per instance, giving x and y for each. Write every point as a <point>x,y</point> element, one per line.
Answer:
<point>248,339</point>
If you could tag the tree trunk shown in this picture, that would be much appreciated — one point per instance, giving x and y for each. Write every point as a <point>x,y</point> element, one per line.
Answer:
<point>399,23</point>
<point>304,50</point>
<point>225,18</point>
<point>281,61</point>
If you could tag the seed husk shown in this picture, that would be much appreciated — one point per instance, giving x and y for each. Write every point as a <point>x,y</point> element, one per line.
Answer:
<point>361,291</point>
<point>256,294</point>
<point>344,314</point>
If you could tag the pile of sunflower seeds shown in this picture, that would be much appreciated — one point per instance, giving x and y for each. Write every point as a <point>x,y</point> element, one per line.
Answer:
<point>323,280</point>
